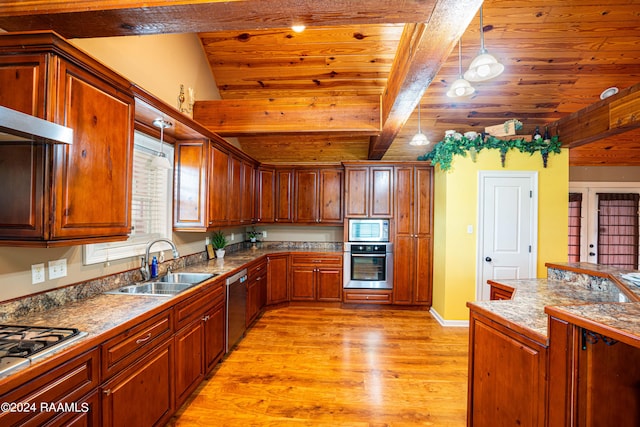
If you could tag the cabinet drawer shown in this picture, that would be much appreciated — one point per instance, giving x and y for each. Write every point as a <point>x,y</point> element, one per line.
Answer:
<point>121,351</point>
<point>353,296</point>
<point>319,259</point>
<point>189,309</point>
<point>257,270</point>
<point>68,383</point>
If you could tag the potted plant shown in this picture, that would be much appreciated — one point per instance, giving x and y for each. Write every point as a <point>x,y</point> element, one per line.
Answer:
<point>219,241</point>
<point>253,235</point>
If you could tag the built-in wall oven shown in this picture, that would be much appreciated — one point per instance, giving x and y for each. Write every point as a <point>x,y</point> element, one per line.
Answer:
<point>368,255</point>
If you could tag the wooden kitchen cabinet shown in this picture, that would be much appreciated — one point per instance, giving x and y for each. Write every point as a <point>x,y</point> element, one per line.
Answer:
<point>190,188</point>
<point>265,195</point>
<point>58,194</point>
<point>507,376</point>
<point>220,188</point>
<point>248,190</point>
<point>143,393</point>
<point>368,190</point>
<point>277,279</point>
<point>256,289</point>
<point>74,381</point>
<point>413,241</point>
<point>284,196</point>
<point>316,277</point>
<point>318,196</point>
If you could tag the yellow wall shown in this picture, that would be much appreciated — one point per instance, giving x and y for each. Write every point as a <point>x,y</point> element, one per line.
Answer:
<point>456,207</point>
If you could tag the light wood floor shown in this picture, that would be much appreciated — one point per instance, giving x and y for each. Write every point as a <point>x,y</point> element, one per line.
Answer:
<point>337,367</point>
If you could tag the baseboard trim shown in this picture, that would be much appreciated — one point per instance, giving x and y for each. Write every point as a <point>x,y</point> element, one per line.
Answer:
<point>449,323</point>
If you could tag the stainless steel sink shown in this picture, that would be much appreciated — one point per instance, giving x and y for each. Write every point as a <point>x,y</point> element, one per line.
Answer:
<point>167,286</point>
<point>179,277</point>
<point>153,288</point>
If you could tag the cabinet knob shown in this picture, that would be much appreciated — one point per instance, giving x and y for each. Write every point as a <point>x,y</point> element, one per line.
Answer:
<point>107,392</point>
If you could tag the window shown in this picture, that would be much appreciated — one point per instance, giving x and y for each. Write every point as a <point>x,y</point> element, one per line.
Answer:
<point>575,224</point>
<point>150,205</point>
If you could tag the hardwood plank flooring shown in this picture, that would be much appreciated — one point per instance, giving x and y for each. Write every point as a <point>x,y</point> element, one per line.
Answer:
<point>310,366</point>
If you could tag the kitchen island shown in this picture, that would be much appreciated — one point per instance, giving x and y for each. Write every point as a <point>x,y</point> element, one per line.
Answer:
<point>560,351</point>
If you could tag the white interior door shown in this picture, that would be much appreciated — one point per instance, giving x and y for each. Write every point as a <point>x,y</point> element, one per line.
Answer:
<point>508,227</point>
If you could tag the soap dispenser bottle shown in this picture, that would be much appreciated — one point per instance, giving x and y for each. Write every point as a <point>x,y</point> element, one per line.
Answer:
<point>154,267</point>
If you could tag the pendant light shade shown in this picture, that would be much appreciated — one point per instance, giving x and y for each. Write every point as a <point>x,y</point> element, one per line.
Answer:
<point>419,138</point>
<point>460,87</point>
<point>485,66</point>
<point>161,160</point>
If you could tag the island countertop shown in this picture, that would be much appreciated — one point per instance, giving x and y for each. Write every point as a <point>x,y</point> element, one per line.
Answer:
<point>610,302</point>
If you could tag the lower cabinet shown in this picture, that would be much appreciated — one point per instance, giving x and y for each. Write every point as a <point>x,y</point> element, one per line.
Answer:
<point>367,296</point>
<point>277,279</point>
<point>142,394</point>
<point>199,342</point>
<point>507,376</point>
<point>73,383</point>
<point>256,290</point>
<point>316,277</point>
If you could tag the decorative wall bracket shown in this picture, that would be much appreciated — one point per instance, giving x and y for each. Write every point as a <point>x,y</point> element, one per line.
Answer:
<point>189,100</point>
<point>589,337</point>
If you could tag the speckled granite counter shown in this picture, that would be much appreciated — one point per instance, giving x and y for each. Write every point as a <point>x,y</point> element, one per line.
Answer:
<point>104,315</point>
<point>591,293</point>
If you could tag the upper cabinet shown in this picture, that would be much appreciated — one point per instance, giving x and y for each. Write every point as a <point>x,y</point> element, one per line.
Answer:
<point>65,194</point>
<point>318,195</point>
<point>368,190</point>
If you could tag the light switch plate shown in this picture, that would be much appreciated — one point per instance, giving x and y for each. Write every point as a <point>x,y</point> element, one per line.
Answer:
<point>57,268</point>
<point>37,273</point>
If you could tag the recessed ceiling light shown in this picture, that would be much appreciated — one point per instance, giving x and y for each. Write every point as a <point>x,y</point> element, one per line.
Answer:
<point>608,92</point>
<point>298,28</point>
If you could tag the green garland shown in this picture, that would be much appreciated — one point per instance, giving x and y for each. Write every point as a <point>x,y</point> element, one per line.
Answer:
<point>455,143</point>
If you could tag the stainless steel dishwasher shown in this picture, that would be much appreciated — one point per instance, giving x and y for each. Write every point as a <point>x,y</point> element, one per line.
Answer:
<point>236,308</point>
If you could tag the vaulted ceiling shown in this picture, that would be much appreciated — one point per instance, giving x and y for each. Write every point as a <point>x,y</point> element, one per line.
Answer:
<point>347,87</point>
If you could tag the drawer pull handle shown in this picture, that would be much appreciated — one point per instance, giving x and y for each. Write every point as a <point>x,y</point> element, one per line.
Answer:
<point>145,339</point>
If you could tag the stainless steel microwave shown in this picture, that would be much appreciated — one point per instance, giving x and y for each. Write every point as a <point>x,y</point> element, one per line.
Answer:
<point>368,230</point>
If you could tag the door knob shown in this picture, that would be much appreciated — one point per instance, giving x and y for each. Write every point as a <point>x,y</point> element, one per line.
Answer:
<point>488,259</point>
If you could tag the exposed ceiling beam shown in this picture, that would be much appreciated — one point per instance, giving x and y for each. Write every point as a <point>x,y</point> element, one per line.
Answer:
<point>608,117</point>
<point>103,18</point>
<point>422,51</point>
<point>355,115</point>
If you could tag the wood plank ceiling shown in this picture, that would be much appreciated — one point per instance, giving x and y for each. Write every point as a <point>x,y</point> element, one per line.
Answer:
<point>346,88</point>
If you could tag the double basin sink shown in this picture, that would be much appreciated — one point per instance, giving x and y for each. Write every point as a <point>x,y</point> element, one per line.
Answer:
<point>168,285</point>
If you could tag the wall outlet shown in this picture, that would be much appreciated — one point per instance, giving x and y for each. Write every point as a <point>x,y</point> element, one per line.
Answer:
<point>233,237</point>
<point>57,268</point>
<point>264,234</point>
<point>37,273</point>
<point>207,240</point>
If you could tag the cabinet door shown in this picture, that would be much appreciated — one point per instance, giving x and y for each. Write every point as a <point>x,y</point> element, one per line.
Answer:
<point>265,195</point>
<point>303,283</point>
<point>143,394</point>
<point>381,197</point>
<point>190,190</point>
<point>247,193</point>
<point>306,196</point>
<point>284,196</point>
<point>92,177</point>
<point>189,359</point>
<point>329,284</point>
<point>404,200</point>
<point>331,188</point>
<point>214,336</point>
<point>422,189</point>
<point>22,166</point>
<point>403,269</point>
<point>277,279</point>
<point>235,190</point>
<point>423,270</point>
<point>218,186</point>
<point>356,192</point>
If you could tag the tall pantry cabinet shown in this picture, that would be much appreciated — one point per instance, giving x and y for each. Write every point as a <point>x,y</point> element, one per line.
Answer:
<point>413,242</point>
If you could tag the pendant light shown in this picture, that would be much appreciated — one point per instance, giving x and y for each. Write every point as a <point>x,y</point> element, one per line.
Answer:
<point>485,66</point>
<point>460,87</point>
<point>161,160</point>
<point>419,138</point>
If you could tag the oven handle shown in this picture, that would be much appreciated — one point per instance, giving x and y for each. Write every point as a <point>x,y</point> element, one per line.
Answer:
<point>369,255</point>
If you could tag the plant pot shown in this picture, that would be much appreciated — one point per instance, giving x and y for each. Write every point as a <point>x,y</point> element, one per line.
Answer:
<point>253,239</point>
<point>220,253</point>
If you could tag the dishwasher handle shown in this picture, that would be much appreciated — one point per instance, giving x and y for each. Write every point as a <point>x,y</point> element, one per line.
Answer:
<point>240,276</point>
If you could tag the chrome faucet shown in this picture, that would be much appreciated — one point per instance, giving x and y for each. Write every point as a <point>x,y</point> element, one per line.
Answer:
<point>144,268</point>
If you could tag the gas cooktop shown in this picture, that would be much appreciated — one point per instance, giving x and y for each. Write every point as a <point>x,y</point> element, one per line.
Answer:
<point>21,345</point>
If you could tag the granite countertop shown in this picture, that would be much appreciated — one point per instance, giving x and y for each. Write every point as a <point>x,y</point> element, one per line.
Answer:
<point>609,303</point>
<point>101,315</point>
